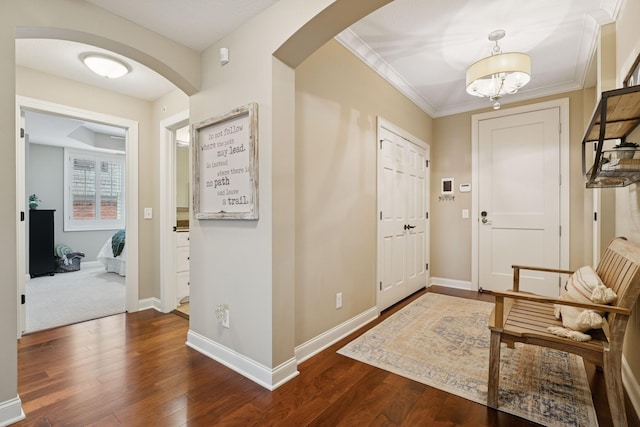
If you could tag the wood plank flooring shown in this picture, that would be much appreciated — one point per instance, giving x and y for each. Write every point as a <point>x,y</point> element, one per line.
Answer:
<point>135,370</point>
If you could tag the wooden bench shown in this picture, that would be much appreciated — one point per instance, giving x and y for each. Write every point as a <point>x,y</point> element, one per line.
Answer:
<point>524,317</point>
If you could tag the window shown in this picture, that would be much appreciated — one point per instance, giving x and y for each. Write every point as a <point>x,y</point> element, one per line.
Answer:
<point>94,190</point>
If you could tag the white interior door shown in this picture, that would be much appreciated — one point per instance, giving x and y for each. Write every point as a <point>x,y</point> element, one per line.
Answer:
<point>403,233</point>
<point>416,201</point>
<point>519,200</point>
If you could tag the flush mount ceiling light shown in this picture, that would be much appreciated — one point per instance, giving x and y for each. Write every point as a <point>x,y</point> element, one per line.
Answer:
<point>499,74</point>
<point>105,66</point>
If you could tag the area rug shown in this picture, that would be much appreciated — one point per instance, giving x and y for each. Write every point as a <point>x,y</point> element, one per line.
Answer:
<point>443,342</point>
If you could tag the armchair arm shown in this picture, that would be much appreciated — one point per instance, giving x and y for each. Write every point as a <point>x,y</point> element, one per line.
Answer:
<point>501,295</point>
<point>517,268</point>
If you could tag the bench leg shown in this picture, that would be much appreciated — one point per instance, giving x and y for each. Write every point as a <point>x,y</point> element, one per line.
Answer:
<point>494,370</point>
<point>615,394</point>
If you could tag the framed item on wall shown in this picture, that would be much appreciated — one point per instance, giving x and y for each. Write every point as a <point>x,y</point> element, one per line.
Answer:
<point>447,186</point>
<point>225,165</point>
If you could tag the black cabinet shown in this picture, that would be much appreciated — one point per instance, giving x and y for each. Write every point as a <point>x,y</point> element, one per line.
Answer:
<point>41,258</point>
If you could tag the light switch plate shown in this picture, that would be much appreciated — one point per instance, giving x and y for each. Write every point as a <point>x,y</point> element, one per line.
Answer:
<point>148,213</point>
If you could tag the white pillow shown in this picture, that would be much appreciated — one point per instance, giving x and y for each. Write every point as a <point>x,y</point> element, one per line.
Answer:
<point>585,286</point>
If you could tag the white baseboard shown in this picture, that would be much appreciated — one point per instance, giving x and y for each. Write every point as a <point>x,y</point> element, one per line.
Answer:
<point>11,411</point>
<point>269,378</point>
<point>631,385</point>
<point>147,303</point>
<point>452,283</point>
<point>315,345</point>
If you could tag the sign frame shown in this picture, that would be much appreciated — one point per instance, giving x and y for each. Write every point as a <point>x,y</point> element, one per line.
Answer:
<point>225,165</point>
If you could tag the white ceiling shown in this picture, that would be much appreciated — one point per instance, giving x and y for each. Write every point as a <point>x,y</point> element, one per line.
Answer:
<point>60,131</point>
<point>423,47</point>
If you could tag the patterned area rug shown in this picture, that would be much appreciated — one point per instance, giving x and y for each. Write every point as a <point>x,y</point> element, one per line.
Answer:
<point>443,342</point>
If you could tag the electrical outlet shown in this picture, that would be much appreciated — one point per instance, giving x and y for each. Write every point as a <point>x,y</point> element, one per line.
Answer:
<point>339,300</point>
<point>222,314</point>
<point>225,317</point>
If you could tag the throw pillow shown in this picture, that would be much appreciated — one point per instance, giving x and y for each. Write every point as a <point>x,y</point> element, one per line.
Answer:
<point>585,286</point>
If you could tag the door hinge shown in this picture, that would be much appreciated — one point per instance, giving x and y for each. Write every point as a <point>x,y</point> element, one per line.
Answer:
<point>426,266</point>
<point>560,127</point>
<point>380,215</point>
<point>560,230</point>
<point>381,144</point>
<point>595,216</point>
<point>21,132</point>
<point>380,285</point>
<point>23,299</point>
<point>426,215</point>
<point>21,216</point>
<point>426,163</point>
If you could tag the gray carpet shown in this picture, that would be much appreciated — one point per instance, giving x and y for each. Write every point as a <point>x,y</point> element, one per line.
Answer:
<point>73,297</point>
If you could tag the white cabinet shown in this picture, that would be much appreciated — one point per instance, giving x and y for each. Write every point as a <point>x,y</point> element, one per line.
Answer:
<point>182,265</point>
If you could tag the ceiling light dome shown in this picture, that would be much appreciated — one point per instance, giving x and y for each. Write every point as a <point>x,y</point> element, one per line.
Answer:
<point>104,65</point>
<point>499,74</point>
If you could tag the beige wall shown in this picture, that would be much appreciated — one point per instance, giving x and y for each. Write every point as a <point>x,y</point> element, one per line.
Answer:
<point>167,106</point>
<point>627,221</point>
<point>37,85</point>
<point>338,99</point>
<point>76,21</point>
<point>451,156</point>
<point>249,265</point>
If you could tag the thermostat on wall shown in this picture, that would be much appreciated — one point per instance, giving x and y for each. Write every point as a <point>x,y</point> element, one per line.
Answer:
<point>465,188</point>
<point>447,186</point>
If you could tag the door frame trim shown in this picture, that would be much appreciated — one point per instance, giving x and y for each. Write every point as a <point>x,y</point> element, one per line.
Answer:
<point>24,103</point>
<point>168,209</point>
<point>563,105</point>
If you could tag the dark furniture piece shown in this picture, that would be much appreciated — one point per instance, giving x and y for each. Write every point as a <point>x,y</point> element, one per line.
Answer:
<point>41,257</point>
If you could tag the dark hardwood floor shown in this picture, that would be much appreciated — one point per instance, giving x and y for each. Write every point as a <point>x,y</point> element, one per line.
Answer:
<point>135,370</point>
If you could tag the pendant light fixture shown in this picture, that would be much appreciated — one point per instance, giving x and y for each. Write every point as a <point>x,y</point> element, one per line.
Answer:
<point>499,74</point>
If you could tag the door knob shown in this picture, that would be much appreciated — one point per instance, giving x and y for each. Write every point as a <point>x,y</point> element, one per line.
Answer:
<point>484,219</point>
<point>409,227</point>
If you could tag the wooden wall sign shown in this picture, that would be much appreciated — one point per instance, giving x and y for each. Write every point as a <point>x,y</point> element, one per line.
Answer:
<point>225,165</point>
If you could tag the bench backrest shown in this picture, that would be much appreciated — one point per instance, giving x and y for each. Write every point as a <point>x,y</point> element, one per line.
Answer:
<point>619,269</point>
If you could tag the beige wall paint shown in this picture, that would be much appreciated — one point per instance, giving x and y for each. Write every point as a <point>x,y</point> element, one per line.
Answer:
<point>234,262</point>
<point>627,219</point>
<point>8,211</point>
<point>451,158</point>
<point>338,99</point>
<point>34,84</point>
<point>83,22</point>
<point>168,105</point>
